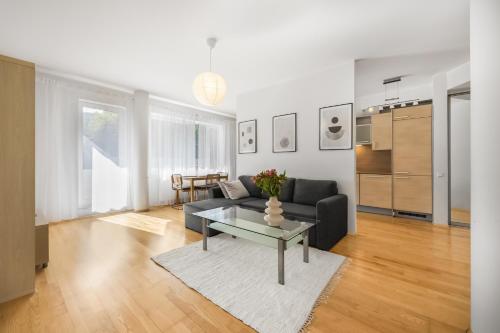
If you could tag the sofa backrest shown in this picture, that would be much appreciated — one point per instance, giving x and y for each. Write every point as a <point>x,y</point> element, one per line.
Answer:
<point>309,192</point>
<point>250,186</point>
<point>286,194</point>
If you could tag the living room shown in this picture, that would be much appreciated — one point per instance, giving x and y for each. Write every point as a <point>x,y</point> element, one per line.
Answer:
<point>271,167</point>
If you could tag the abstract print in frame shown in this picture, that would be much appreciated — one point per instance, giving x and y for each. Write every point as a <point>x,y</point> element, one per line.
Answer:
<point>285,133</point>
<point>335,127</point>
<point>247,136</point>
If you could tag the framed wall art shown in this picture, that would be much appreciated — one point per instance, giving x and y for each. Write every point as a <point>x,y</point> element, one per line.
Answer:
<point>285,133</point>
<point>247,136</point>
<point>335,127</point>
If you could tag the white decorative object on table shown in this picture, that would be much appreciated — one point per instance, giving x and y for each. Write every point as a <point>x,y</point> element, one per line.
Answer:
<point>273,212</point>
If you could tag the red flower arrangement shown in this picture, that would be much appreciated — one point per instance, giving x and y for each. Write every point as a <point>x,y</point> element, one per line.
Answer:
<point>269,181</point>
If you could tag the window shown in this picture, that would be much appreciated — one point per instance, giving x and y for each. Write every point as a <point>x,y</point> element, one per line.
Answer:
<point>181,143</point>
<point>103,174</point>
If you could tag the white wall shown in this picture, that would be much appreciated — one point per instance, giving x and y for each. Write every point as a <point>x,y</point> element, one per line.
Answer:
<point>460,153</point>
<point>304,96</point>
<point>440,208</point>
<point>140,140</point>
<point>421,92</point>
<point>485,175</point>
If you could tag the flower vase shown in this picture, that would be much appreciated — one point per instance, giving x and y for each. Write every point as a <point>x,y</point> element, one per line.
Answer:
<point>273,212</point>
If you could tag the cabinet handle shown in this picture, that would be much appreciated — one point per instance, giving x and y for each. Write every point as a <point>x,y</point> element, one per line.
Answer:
<point>363,141</point>
<point>401,177</point>
<point>402,117</point>
<point>374,176</point>
<point>401,172</point>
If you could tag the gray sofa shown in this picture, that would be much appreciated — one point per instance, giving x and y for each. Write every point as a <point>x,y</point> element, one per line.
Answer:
<point>314,200</point>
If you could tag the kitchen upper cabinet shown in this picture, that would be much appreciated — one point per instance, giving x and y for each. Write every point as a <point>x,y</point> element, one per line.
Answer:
<point>412,146</point>
<point>411,112</point>
<point>382,131</point>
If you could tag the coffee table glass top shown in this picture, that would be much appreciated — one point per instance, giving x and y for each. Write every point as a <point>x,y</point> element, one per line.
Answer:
<point>252,220</point>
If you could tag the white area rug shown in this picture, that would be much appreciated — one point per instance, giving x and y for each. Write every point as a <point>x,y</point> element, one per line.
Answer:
<point>242,278</point>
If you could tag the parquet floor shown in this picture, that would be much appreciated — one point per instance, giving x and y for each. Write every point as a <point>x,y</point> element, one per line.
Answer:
<point>405,276</point>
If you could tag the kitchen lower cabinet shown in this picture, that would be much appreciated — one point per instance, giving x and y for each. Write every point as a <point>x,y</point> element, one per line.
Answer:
<point>413,193</point>
<point>375,190</point>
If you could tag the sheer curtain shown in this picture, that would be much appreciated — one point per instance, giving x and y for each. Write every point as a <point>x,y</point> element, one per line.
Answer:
<point>69,160</point>
<point>188,142</point>
<point>172,149</point>
<point>56,171</point>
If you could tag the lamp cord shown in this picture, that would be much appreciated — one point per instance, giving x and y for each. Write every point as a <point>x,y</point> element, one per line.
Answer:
<point>211,59</point>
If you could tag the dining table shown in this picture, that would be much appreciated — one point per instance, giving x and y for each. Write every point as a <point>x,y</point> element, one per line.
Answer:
<point>193,179</point>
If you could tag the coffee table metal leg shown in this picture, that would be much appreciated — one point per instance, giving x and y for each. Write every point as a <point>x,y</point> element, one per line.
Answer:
<point>205,232</point>
<point>305,245</point>
<point>281,261</point>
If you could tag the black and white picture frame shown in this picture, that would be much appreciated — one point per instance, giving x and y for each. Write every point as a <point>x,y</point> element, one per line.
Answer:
<point>247,137</point>
<point>285,133</point>
<point>335,127</point>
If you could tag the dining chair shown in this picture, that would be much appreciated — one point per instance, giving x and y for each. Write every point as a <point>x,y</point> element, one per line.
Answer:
<point>179,187</point>
<point>211,180</point>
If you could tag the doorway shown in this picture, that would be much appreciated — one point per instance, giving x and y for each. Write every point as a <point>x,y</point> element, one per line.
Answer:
<point>459,158</point>
<point>103,172</point>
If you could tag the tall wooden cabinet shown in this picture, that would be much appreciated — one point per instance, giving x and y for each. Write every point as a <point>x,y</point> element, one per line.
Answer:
<point>17,178</point>
<point>412,159</point>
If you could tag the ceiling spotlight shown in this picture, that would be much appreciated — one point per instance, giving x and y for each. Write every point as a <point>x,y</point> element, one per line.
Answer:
<point>371,109</point>
<point>391,106</point>
<point>403,105</point>
<point>415,102</point>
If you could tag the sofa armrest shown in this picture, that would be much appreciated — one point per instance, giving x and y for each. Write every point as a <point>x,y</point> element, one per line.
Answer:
<point>215,192</point>
<point>332,215</point>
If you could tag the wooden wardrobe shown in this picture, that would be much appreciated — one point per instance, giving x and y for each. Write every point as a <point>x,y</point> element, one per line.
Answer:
<point>17,178</point>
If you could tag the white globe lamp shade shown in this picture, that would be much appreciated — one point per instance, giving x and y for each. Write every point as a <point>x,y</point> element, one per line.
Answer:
<point>209,88</point>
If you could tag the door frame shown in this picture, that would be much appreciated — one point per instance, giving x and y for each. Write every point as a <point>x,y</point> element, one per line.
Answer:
<point>450,96</point>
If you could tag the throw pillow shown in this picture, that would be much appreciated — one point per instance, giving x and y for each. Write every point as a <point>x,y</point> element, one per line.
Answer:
<point>222,186</point>
<point>236,190</point>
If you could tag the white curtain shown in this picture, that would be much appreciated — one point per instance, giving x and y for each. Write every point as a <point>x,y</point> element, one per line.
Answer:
<point>56,154</point>
<point>171,150</point>
<point>63,182</point>
<point>188,142</point>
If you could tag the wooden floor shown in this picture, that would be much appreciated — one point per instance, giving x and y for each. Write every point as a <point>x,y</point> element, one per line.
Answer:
<point>460,215</point>
<point>405,276</point>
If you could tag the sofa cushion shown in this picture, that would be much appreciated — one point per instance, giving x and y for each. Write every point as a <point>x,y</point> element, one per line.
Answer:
<point>223,189</point>
<point>309,192</point>
<point>236,190</point>
<point>250,186</point>
<point>299,210</point>
<point>286,194</point>
<point>259,204</point>
<point>289,208</point>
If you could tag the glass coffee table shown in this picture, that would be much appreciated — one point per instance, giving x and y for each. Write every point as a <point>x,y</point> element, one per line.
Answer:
<point>250,224</point>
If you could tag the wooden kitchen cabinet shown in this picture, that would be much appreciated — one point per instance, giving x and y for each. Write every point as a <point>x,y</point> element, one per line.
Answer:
<point>412,146</point>
<point>413,193</point>
<point>382,131</point>
<point>412,112</point>
<point>375,190</point>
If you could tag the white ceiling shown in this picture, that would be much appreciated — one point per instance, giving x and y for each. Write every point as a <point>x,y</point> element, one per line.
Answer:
<point>159,45</point>
<point>415,69</point>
